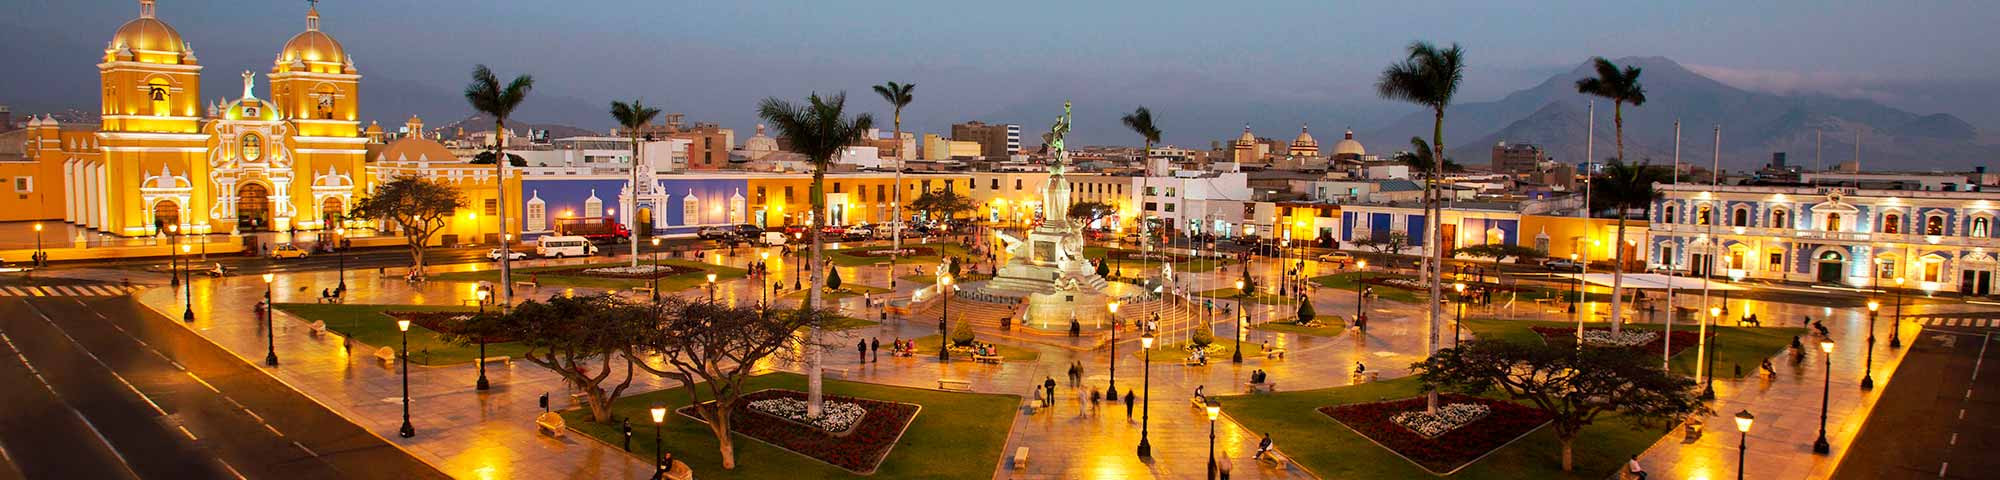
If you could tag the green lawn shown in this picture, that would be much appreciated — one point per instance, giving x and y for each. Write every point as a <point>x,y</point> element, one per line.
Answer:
<point>846,256</point>
<point>956,435</point>
<point>1231,293</point>
<point>1333,327</point>
<point>846,290</point>
<point>844,322</point>
<point>1189,264</point>
<point>368,325</point>
<point>1745,346</point>
<point>1173,353</point>
<point>1330,450</point>
<point>1010,352</point>
<point>1350,281</point>
<point>691,279</point>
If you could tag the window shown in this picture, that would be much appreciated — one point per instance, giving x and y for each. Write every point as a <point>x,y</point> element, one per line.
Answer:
<point>690,210</point>
<point>1778,219</point>
<point>1892,223</point>
<point>1979,225</point>
<point>881,193</point>
<point>1701,218</point>
<point>1150,191</point>
<point>1667,218</point>
<point>1666,252</point>
<point>1170,208</point>
<point>1934,225</point>
<point>1149,206</point>
<point>788,194</point>
<point>492,207</point>
<point>996,184</point>
<point>159,92</point>
<point>1777,262</point>
<point>1170,191</point>
<point>1833,222</point>
<point>760,195</point>
<point>1885,268</point>
<point>1933,269</point>
<point>1017,184</point>
<point>24,184</point>
<point>1741,218</point>
<point>836,187</point>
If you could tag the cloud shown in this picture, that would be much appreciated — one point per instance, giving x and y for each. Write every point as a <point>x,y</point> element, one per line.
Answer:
<point>1872,86</point>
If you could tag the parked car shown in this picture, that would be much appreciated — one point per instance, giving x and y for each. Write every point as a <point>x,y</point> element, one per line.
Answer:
<point>494,255</point>
<point>716,233</point>
<point>1338,258</point>
<point>564,246</point>
<point>748,232</point>
<point>858,233</point>
<point>1563,265</point>
<point>286,250</point>
<point>773,239</point>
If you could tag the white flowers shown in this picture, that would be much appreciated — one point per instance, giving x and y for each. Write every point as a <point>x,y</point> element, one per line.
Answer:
<point>1449,417</point>
<point>1404,283</point>
<point>628,270</point>
<point>1627,338</point>
<point>836,417</point>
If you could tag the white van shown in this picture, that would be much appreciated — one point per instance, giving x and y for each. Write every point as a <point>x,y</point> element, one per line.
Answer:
<point>773,239</point>
<point>564,246</point>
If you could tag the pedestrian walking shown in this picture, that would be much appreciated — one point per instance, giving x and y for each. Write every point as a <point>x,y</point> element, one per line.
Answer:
<point>861,349</point>
<point>1128,403</point>
<point>875,348</point>
<point>1050,384</point>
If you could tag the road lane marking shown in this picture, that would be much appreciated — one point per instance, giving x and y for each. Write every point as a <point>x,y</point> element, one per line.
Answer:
<point>303,447</point>
<point>106,441</point>
<point>232,469</point>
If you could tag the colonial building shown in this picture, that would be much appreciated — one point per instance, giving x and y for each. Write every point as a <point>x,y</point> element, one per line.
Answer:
<point>161,158</point>
<point>1935,240</point>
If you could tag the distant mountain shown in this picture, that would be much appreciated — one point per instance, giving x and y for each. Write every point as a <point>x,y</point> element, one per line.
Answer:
<point>1753,124</point>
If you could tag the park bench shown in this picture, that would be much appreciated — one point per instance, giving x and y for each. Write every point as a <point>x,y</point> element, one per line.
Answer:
<point>954,384</point>
<point>1277,353</point>
<point>646,289</point>
<point>680,471</point>
<point>1363,377</point>
<point>550,422</point>
<point>317,328</point>
<point>1692,428</point>
<point>1266,387</point>
<point>386,355</point>
<point>1276,458</point>
<point>532,285</point>
<point>993,359</point>
<point>1021,458</point>
<point>1192,362</point>
<point>1030,406</point>
<point>503,359</point>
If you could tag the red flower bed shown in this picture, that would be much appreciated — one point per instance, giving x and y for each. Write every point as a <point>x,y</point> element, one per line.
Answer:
<point>1683,339</point>
<point>886,251</point>
<point>860,450</point>
<point>1447,452</point>
<point>1136,256</point>
<point>441,322</point>
<point>663,271</point>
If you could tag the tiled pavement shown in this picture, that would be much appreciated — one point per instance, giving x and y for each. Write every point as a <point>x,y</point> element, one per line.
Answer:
<point>491,436</point>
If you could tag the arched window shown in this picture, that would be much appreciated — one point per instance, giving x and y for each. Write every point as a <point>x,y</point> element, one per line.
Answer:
<point>160,94</point>
<point>1833,222</point>
<point>1979,225</point>
<point>1742,218</point>
<point>1934,225</point>
<point>1778,219</point>
<point>1668,217</point>
<point>690,210</point>
<point>1892,223</point>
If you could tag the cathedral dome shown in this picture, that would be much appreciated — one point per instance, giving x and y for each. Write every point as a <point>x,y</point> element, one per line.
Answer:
<point>1348,146</point>
<point>1305,138</point>
<point>1246,138</point>
<point>313,48</point>
<point>147,35</point>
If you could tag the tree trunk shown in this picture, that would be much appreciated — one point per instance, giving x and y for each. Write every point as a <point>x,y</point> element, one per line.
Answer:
<point>632,207</point>
<point>896,209</point>
<point>724,443</point>
<point>500,183</point>
<point>600,407</point>
<point>1433,238</point>
<point>813,380</point>
<point>417,256</point>
<point>1618,274</point>
<point>1568,464</point>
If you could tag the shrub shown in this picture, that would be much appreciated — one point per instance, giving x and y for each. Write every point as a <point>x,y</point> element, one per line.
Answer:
<point>1202,336</point>
<point>1306,312</point>
<point>833,280</point>
<point>962,334</point>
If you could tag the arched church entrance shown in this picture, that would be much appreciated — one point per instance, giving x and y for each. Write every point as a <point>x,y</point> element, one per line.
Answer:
<point>165,213</point>
<point>1831,264</point>
<point>253,207</point>
<point>331,211</point>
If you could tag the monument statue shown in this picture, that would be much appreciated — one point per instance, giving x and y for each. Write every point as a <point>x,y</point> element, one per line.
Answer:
<point>1047,269</point>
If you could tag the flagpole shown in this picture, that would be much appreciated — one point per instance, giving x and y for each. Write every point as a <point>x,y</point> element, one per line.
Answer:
<point>1708,262</point>
<point>1589,143</point>
<point>1666,354</point>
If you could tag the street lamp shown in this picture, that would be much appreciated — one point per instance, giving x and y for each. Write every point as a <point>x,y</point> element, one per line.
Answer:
<point>1868,367</point>
<point>1146,404</point>
<point>764,258</point>
<point>1455,321</point>
<point>1239,289</point>
<point>1820,446</point>
<point>40,261</point>
<point>798,274</point>
<point>403,325</point>
<point>483,295</point>
<point>173,257</point>
<point>1214,408</point>
<point>1896,323</point>
<point>188,300</point>
<point>1242,327</point>
<point>655,272</point>
<point>270,338</point>
<point>340,250</point>
<point>1112,390</point>
<point>659,412</point>
<point>1572,287</point>
<point>1361,293</point>
<point>1743,419</point>
<point>1708,362</point>
<point>711,289</point>
<point>944,338</point>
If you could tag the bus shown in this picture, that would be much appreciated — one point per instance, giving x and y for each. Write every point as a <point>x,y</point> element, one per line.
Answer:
<point>564,246</point>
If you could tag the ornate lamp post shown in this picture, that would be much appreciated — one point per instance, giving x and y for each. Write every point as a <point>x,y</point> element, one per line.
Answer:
<point>1361,292</point>
<point>798,274</point>
<point>1112,390</point>
<point>711,289</point>
<point>1146,402</point>
<point>1743,419</point>
<point>1242,328</point>
<point>944,337</point>
<point>1896,322</point>
<point>483,295</point>
<point>655,273</point>
<point>270,337</point>
<point>1708,354</point>
<point>173,256</point>
<point>1868,367</point>
<point>1820,446</point>
<point>1572,287</point>
<point>403,325</point>
<point>340,252</point>
<point>188,300</point>
<point>39,262</point>
<point>1455,321</point>
<point>1214,409</point>
<point>659,412</point>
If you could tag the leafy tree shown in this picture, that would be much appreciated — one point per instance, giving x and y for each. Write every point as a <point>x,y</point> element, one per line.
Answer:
<point>633,116</point>
<point>1499,251</point>
<point>1574,386</point>
<point>1306,312</point>
<point>1618,86</point>
<point>1202,336</point>
<point>1140,121</point>
<point>1249,284</point>
<point>575,337</point>
<point>898,95</point>
<point>833,279</point>
<point>942,204</point>
<point>420,207</point>
<point>488,96</point>
<point>714,347</point>
<point>1104,266</point>
<point>819,129</point>
<point>486,158</point>
<point>1429,76</point>
<point>1624,186</point>
<point>1084,212</point>
<point>1395,243</point>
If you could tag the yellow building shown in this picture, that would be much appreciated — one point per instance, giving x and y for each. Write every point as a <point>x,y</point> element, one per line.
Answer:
<point>251,164</point>
<point>484,192</point>
<point>939,148</point>
<point>1590,239</point>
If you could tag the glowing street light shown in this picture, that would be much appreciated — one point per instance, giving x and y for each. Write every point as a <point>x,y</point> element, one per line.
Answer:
<point>1146,415</point>
<point>403,326</point>
<point>270,338</point>
<point>1821,446</point>
<point>1868,367</point>
<point>1743,420</point>
<point>187,301</point>
<point>659,412</point>
<point>1214,408</point>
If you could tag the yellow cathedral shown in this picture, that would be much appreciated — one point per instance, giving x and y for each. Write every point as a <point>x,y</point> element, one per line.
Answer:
<point>166,161</point>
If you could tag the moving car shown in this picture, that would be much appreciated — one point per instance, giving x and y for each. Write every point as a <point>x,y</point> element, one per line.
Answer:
<point>286,250</point>
<point>1338,258</point>
<point>494,255</point>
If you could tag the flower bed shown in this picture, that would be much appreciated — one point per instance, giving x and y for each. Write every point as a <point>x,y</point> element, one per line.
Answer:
<point>888,251</point>
<point>837,418</point>
<point>859,450</point>
<point>441,322</point>
<point>1410,284</point>
<point>1630,338</point>
<point>1137,256</point>
<point>642,272</point>
<point>1451,448</point>
<point>1447,418</point>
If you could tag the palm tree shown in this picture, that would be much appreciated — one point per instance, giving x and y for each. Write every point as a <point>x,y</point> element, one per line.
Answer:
<point>1428,76</point>
<point>633,116</point>
<point>489,97</point>
<point>1623,187</point>
<point>898,96</point>
<point>1621,87</point>
<point>819,130</point>
<point>1141,122</point>
<point>1419,157</point>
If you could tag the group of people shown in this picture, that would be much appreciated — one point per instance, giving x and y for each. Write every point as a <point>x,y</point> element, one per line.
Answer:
<point>1258,376</point>
<point>901,347</point>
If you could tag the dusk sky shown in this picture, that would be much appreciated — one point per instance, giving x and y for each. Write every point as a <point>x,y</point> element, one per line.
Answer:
<point>1273,64</point>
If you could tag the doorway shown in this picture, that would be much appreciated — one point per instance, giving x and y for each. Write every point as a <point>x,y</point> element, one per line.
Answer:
<point>253,207</point>
<point>1830,266</point>
<point>1976,282</point>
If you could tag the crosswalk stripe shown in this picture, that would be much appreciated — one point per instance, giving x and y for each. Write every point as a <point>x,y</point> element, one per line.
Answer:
<point>110,291</point>
<point>16,292</point>
<point>91,290</point>
<point>39,291</point>
<point>70,291</point>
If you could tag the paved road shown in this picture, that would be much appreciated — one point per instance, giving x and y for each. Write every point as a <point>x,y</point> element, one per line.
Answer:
<point>107,389</point>
<point>1940,418</point>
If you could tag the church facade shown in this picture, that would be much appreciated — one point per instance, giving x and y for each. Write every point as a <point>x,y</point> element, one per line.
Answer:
<point>163,160</point>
